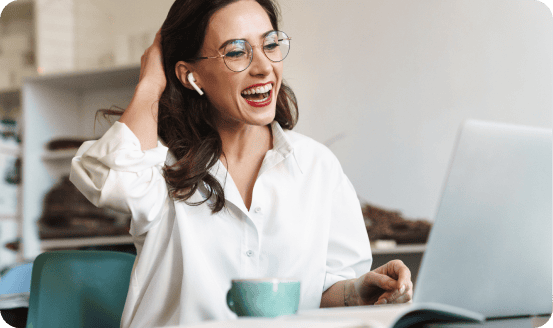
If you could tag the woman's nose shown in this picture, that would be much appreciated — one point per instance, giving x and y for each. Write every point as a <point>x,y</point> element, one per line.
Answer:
<point>261,65</point>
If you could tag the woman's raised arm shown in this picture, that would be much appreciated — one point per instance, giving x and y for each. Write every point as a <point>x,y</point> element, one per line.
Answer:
<point>141,114</point>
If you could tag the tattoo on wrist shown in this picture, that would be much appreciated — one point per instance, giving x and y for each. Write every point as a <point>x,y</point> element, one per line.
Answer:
<point>345,298</point>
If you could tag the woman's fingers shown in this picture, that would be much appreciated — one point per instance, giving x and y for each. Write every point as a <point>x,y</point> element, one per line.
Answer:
<point>403,272</point>
<point>397,286</point>
<point>396,269</point>
<point>402,295</point>
<point>380,280</point>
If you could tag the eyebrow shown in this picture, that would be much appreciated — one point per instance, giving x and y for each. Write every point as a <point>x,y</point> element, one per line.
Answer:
<point>232,40</point>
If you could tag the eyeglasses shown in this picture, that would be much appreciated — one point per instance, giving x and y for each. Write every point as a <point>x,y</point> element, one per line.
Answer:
<point>238,54</point>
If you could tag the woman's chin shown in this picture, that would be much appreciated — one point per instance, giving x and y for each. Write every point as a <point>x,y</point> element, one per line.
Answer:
<point>260,115</point>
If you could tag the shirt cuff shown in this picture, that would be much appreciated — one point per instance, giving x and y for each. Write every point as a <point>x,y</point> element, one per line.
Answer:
<point>119,149</point>
<point>331,279</point>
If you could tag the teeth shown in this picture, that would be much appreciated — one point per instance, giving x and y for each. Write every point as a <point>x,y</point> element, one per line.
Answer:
<point>255,90</point>
<point>261,100</point>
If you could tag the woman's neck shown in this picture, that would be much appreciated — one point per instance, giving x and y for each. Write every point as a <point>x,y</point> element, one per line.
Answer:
<point>246,142</point>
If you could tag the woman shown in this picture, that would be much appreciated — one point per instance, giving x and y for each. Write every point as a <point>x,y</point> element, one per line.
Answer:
<point>227,191</point>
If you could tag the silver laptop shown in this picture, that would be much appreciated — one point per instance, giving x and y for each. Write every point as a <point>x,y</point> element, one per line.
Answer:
<point>490,249</point>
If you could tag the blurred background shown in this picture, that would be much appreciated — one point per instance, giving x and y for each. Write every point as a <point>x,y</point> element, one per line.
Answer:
<point>385,84</point>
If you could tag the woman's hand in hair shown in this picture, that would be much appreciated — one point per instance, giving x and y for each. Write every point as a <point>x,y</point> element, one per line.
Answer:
<point>141,114</point>
<point>151,67</point>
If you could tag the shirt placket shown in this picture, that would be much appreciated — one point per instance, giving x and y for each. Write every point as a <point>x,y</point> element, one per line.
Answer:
<point>250,250</point>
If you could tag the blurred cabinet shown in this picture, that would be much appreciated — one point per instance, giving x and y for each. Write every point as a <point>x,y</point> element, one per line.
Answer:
<point>17,61</point>
<point>61,61</point>
<point>10,160</point>
<point>63,106</point>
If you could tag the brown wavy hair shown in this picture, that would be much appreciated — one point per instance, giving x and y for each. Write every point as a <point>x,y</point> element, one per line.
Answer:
<point>185,119</point>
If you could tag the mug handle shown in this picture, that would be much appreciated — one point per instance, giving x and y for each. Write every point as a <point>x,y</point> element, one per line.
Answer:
<point>230,302</point>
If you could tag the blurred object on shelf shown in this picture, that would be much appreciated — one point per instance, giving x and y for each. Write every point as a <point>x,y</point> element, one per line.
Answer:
<point>65,143</point>
<point>12,175</point>
<point>8,131</point>
<point>14,245</point>
<point>67,213</point>
<point>390,225</point>
<point>10,105</point>
<point>8,183</point>
<point>9,145</point>
<point>383,244</point>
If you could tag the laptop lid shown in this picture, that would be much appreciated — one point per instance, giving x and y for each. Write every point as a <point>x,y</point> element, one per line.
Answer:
<point>490,249</point>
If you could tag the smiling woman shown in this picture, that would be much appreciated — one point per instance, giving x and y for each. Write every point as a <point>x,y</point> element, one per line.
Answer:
<point>218,185</point>
<point>224,107</point>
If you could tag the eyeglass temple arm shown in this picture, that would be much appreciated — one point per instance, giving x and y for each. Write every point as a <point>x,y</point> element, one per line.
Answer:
<point>220,56</point>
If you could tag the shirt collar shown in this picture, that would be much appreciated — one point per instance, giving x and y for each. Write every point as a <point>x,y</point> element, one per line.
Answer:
<point>281,143</point>
<point>282,147</point>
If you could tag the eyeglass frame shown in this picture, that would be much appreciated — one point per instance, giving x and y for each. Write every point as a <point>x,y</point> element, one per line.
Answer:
<point>252,47</point>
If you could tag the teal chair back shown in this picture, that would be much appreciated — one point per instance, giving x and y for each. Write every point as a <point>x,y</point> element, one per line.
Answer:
<point>79,289</point>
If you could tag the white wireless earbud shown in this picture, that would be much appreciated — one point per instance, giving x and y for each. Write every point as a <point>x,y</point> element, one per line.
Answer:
<point>191,79</point>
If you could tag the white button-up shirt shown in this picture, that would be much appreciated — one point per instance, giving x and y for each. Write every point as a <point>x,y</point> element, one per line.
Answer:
<point>304,222</point>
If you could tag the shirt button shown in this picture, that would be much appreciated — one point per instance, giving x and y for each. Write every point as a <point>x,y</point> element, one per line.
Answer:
<point>249,253</point>
<point>257,209</point>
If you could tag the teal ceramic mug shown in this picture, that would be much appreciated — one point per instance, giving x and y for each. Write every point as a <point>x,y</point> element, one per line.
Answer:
<point>269,297</point>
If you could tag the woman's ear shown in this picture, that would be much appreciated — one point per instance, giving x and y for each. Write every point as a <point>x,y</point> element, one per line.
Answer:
<point>183,70</point>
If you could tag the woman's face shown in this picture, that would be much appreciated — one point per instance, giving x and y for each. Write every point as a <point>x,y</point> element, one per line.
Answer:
<point>226,89</point>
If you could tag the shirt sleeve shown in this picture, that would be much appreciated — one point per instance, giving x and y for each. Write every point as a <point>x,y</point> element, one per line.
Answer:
<point>113,172</point>
<point>349,251</point>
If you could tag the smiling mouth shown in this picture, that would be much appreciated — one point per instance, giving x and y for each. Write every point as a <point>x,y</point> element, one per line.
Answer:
<point>258,95</point>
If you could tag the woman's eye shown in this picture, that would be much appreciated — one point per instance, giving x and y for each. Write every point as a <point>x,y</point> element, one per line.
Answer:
<point>236,54</point>
<point>271,46</point>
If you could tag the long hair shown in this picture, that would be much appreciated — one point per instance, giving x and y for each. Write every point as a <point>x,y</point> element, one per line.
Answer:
<point>185,119</point>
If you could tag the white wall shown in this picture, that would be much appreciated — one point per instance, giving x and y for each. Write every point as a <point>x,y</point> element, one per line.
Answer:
<point>386,83</point>
<point>390,81</point>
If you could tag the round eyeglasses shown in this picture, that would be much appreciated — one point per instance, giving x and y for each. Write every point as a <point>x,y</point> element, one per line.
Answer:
<point>238,54</point>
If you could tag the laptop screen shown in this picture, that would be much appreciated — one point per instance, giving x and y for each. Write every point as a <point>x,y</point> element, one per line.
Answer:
<point>490,248</point>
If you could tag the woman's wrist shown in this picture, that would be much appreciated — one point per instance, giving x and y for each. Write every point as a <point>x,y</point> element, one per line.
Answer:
<point>351,297</point>
<point>149,89</point>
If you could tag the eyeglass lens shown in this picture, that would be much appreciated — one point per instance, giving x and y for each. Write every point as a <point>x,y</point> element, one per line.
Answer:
<point>239,53</point>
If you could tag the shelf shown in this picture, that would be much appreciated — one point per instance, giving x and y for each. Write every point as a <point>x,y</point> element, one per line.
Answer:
<point>83,242</point>
<point>10,92</point>
<point>65,154</point>
<point>4,217</point>
<point>400,249</point>
<point>105,78</point>
<point>59,106</point>
<point>10,151</point>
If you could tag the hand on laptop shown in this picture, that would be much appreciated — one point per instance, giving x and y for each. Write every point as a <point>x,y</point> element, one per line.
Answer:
<point>390,283</point>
